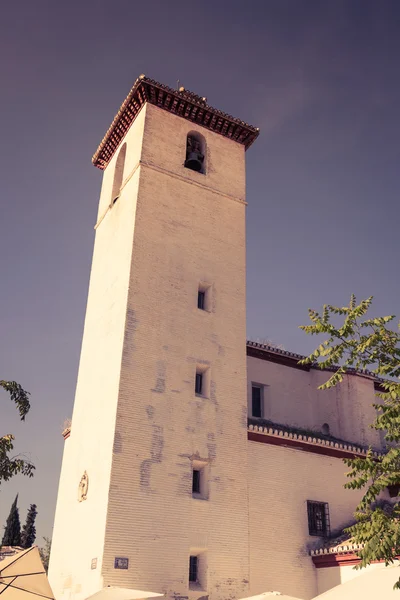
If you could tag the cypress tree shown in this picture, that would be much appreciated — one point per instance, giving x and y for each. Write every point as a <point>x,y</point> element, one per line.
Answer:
<point>12,530</point>
<point>28,534</point>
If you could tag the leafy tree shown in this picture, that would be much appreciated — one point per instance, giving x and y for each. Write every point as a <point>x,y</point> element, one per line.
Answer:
<point>11,465</point>
<point>367,343</point>
<point>28,534</point>
<point>45,553</point>
<point>12,530</point>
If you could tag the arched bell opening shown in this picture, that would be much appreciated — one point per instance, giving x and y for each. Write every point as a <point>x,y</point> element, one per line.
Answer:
<point>118,175</point>
<point>195,152</point>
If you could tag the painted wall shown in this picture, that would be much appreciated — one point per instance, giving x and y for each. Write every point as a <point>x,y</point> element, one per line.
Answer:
<point>291,397</point>
<point>329,577</point>
<point>281,480</point>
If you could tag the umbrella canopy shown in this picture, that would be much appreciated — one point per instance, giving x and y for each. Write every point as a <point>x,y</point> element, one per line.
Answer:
<point>116,593</point>
<point>22,577</point>
<point>271,596</point>
<point>374,584</point>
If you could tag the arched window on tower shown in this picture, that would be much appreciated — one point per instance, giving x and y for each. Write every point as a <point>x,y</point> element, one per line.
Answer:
<point>195,152</point>
<point>118,175</point>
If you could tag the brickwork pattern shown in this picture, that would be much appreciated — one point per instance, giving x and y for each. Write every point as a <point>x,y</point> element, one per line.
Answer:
<point>185,233</point>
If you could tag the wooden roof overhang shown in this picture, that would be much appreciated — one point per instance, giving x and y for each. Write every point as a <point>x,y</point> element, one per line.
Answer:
<point>180,102</point>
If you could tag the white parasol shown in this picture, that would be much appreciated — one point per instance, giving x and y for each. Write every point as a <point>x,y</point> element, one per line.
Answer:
<point>374,584</point>
<point>22,576</point>
<point>271,596</point>
<point>116,593</point>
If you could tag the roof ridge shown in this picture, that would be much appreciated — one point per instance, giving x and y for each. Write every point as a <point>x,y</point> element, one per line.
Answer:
<point>314,365</point>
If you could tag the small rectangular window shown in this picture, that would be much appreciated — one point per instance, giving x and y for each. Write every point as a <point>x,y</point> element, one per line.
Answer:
<point>256,401</point>
<point>201,300</point>
<point>200,479</point>
<point>204,296</point>
<point>199,383</point>
<point>196,481</point>
<point>193,563</point>
<point>318,518</point>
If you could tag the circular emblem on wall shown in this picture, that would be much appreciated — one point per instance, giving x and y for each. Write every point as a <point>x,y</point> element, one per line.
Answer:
<point>83,487</point>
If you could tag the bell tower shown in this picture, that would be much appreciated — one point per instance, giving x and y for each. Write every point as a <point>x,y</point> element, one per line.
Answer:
<point>153,487</point>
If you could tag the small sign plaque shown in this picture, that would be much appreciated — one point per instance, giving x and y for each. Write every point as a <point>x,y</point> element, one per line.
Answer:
<point>121,562</point>
<point>93,564</point>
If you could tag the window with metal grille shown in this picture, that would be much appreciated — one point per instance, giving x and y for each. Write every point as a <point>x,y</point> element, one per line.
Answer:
<point>196,481</point>
<point>318,518</point>
<point>201,300</point>
<point>193,564</point>
<point>256,401</point>
<point>198,386</point>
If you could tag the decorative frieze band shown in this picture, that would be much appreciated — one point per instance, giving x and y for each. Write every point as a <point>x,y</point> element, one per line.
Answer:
<point>280,436</point>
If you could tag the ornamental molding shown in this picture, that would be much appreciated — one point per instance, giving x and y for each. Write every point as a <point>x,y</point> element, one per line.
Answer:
<point>282,437</point>
<point>342,549</point>
<point>83,487</point>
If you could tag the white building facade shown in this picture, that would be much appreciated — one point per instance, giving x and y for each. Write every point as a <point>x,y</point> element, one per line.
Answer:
<point>196,465</point>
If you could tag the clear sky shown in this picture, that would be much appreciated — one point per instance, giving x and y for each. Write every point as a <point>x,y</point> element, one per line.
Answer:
<point>320,79</point>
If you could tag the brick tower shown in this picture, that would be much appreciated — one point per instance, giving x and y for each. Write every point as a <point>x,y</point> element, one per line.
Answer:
<point>153,488</point>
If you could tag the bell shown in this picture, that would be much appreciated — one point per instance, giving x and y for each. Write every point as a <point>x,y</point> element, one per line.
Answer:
<point>194,161</point>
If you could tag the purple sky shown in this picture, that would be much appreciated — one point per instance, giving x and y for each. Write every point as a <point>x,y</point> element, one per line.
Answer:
<point>320,79</point>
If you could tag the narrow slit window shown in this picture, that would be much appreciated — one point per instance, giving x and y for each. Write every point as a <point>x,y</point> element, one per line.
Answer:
<point>193,568</point>
<point>199,383</point>
<point>118,175</point>
<point>256,401</point>
<point>201,300</point>
<point>196,481</point>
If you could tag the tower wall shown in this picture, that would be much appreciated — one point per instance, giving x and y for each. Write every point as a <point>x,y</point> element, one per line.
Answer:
<point>137,424</point>
<point>79,529</point>
<point>190,229</point>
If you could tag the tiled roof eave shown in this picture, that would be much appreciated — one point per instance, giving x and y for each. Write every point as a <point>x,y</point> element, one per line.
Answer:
<point>340,549</point>
<point>292,359</point>
<point>180,102</point>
